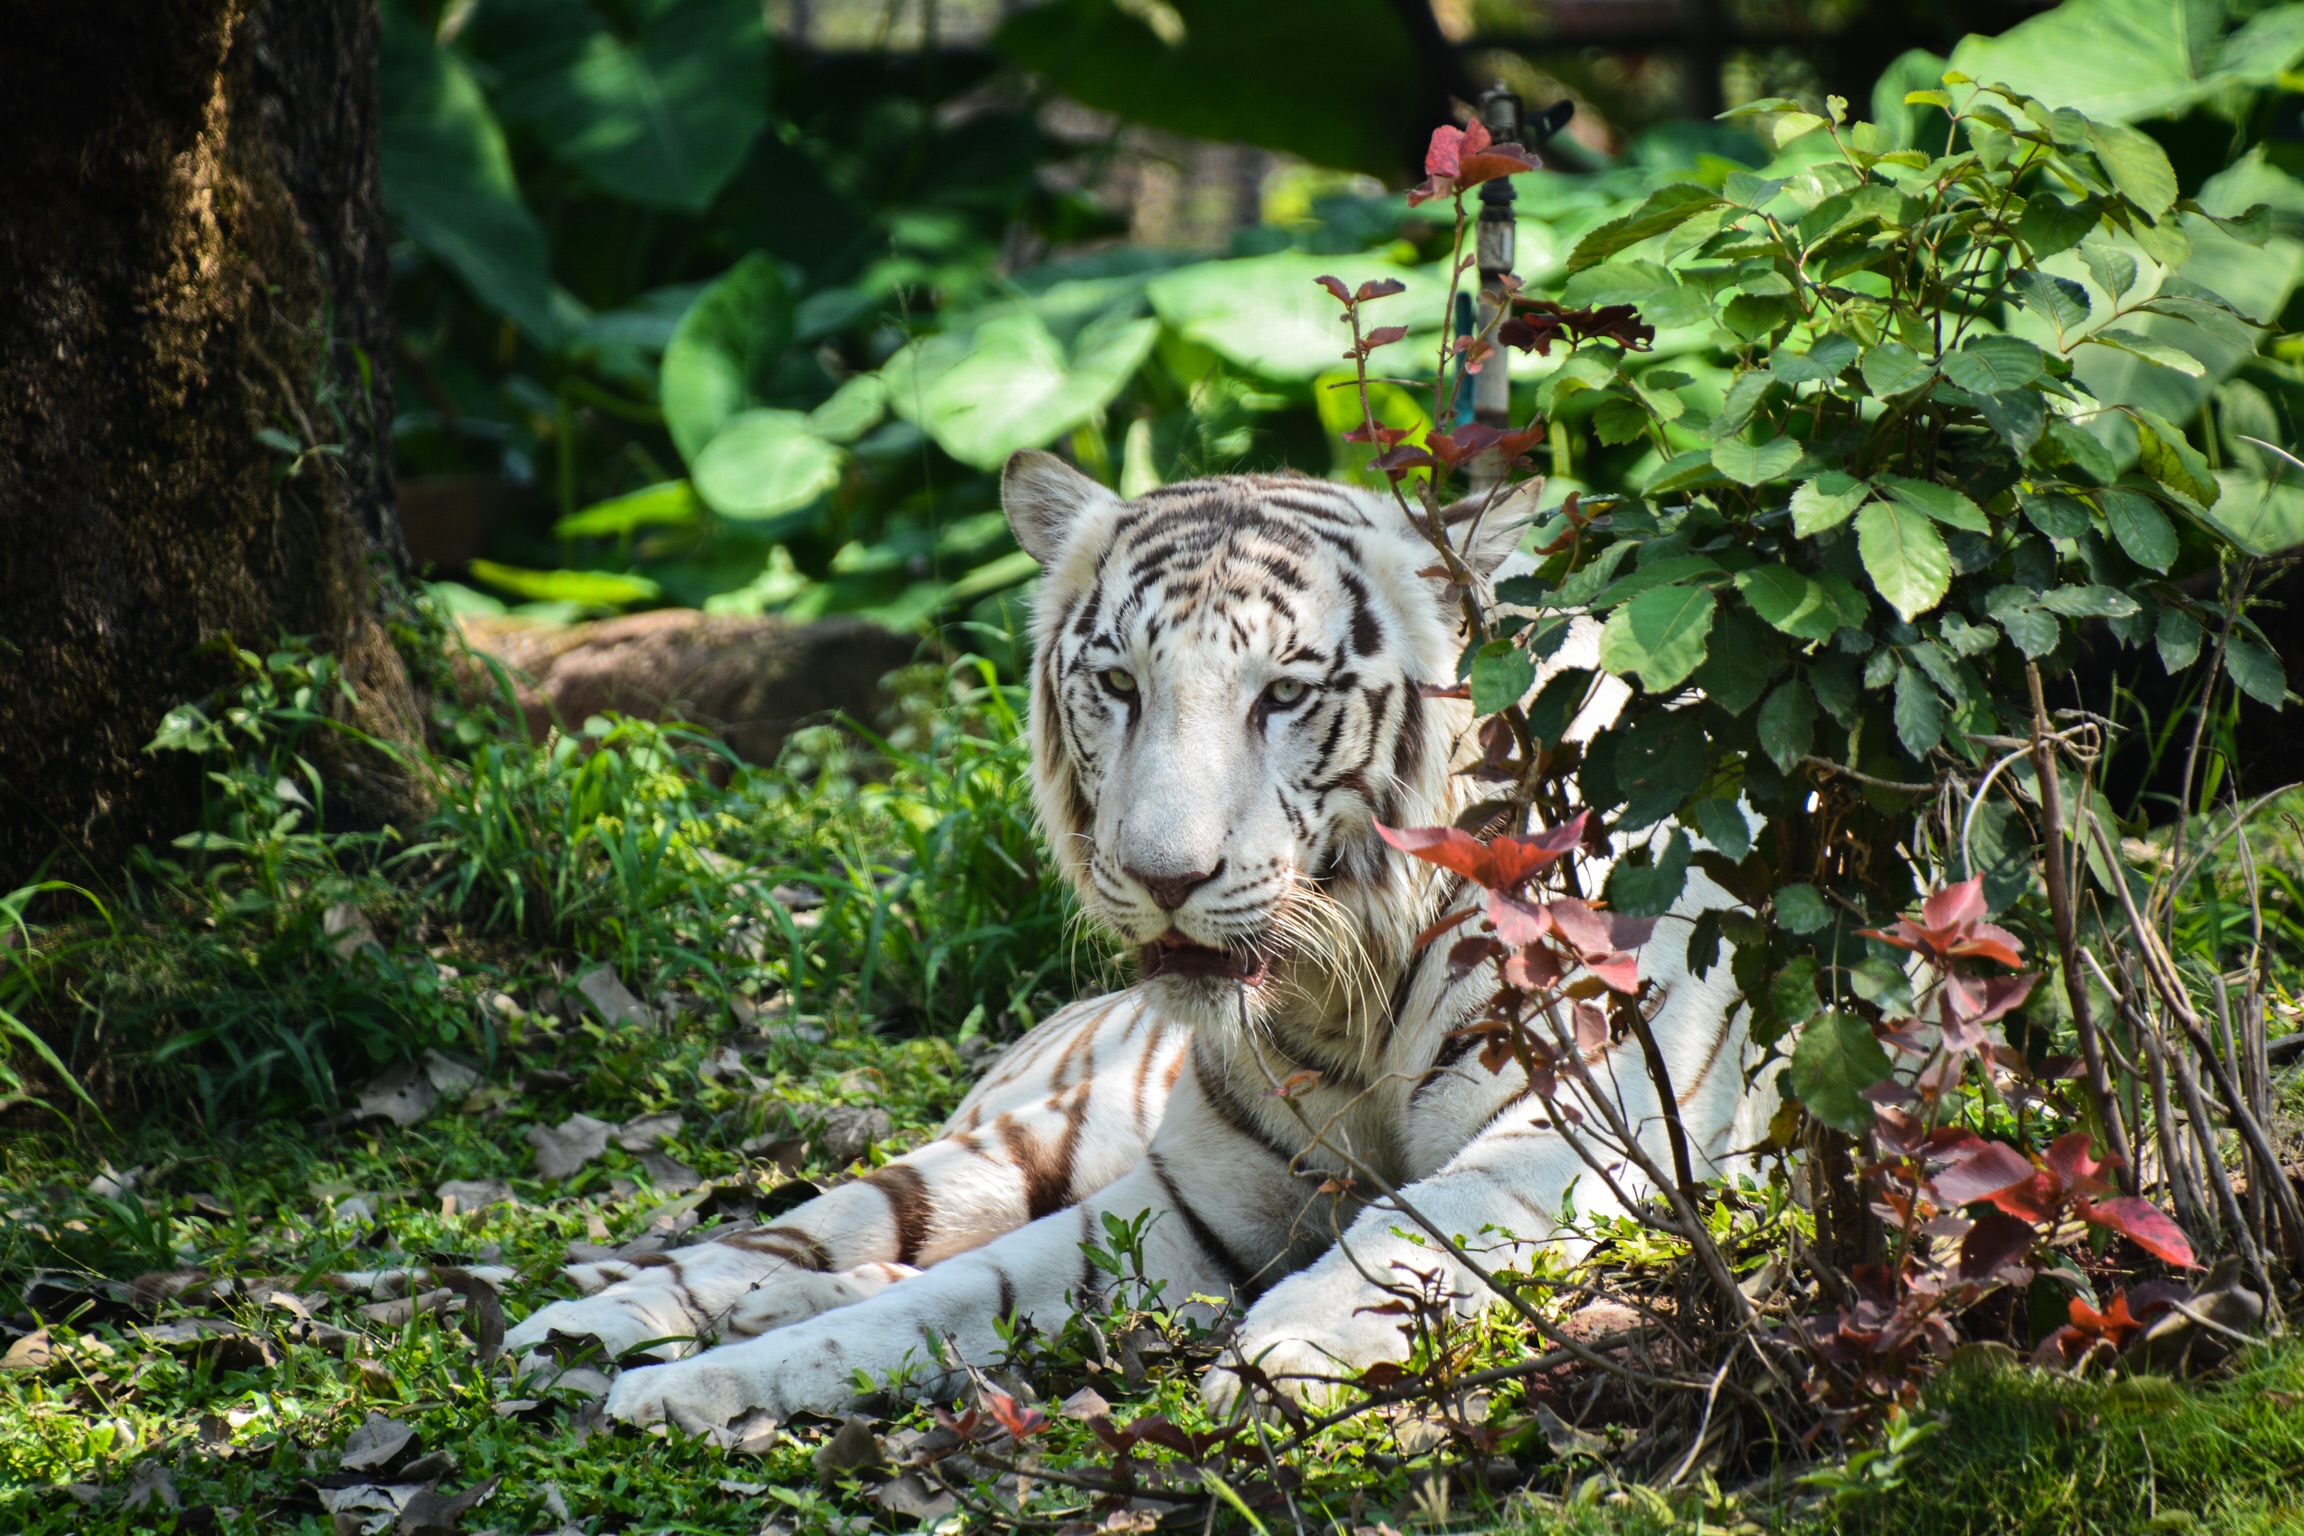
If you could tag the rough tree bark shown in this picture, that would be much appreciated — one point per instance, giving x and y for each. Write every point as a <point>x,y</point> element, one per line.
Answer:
<point>192,250</point>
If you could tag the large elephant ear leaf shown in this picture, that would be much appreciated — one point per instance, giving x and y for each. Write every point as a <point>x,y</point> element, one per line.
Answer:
<point>720,358</point>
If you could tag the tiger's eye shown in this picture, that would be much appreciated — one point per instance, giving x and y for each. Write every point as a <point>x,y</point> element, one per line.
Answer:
<point>1286,691</point>
<point>1118,681</point>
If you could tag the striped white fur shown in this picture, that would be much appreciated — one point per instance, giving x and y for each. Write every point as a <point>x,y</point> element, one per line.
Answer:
<point>1225,701</point>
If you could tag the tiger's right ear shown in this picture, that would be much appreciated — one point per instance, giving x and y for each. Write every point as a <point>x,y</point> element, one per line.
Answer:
<point>1043,497</point>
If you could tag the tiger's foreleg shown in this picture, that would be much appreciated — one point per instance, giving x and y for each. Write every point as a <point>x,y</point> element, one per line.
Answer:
<point>1222,1210</point>
<point>1065,1111</point>
<point>1501,1196</point>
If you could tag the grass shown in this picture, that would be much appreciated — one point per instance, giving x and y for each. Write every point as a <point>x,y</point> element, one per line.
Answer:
<point>855,926</point>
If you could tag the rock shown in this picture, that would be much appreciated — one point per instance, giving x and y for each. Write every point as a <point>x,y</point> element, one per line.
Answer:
<point>475,1194</point>
<point>841,1133</point>
<point>752,681</point>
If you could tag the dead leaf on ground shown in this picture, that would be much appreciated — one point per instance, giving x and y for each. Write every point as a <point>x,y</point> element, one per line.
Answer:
<point>377,1444</point>
<point>150,1483</point>
<point>404,1095</point>
<point>33,1352</point>
<point>347,929</point>
<point>644,1133</point>
<point>474,1195</point>
<point>112,1184</point>
<point>853,1449</point>
<point>670,1175</point>
<point>564,1148</point>
<point>401,1311</point>
<point>611,998</point>
<point>483,1310</point>
<point>911,1498</point>
<point>454,1079</point>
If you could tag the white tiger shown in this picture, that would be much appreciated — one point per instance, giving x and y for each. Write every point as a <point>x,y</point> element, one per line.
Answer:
<point>1225,702</point>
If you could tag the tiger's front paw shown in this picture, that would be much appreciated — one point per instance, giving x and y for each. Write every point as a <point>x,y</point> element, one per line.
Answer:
<point>1311,1337</point>
<point>783,1373</point>
<point>626,1319</point>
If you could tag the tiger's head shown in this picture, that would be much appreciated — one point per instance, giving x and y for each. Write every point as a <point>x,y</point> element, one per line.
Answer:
<point>1225,701</point>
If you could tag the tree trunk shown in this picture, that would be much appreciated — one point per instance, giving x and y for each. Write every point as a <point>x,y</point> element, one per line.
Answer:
<point>195,418</point>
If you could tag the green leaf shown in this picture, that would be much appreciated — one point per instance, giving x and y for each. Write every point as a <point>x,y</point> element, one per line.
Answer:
<point>2030,628</point>
<point>1663,301</point>
<point>724,351</point>
<point>2140,345</point>
<point>2018,416</point>
<point>1893,368</point>
<point>2178,637</point>
<point>1993,365</point>
<point>1790,999</point>
<point>448,177</point>
<point>1820,364</point>
<point>659,111</point>
<point>1666,208</point>
<point>1826,502</point>
<point>2119,60</point>
<point>2081,450</point>
<point>1789,601</point>
<point>1940,502</point>
<point>1833,1062</point>
<point>1009,386</point>
<point>1267,314</point>
<point>2167,456</point>
<point>1755,463</point>
<point>1742,398</point>
<point>2047,226</point>
<point>1645,885</point>
<point>2136,164</point>
<point>1667,571</point>
<point>1787,725</point>
<point>1919,712</point>
<point>1753,317</point>
<point>2257,671</point>
<point>586,589</point>
<point>762,464</point>
<point>1905,557</point>
<point>2060,301</point>
<point>1721,823</point>
<point>2089,602</point>
<point>2141,528</point>
<point>1800,909</point>
<point>2054,514</point>
<point>854,409</point>
<point>671,504</point>
<point>1502,674</point>
<point>1659,636</point>
<point>2113,268</point>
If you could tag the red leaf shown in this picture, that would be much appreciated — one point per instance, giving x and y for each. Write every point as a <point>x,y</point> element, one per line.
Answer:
<point>1399,460</point>
<point>2144,1224</point>
<point>1335,286</point>
<point>1954,905</point>
<point>2115,1323</point>
<point>1382,336</point>
<point>1981,999</point>
<point>2035,1199</point>
<point>2068,1160</point>
<point>1014,1417</point>
<point>1516,922</point>
<point>1534,968</point>
<point>1503,160</point>
<point>1445,154</point>
<point>1989,943</point>
<point>1476,950</point>
<point>1595,932</point>
<point>1451,848</point>
<point>1383,436</point>
<point>1980,1173</point>
<point>1591,1028</point>
<point>1995,1240</point>
<point>1379,288</point>
<point>1500,864</point>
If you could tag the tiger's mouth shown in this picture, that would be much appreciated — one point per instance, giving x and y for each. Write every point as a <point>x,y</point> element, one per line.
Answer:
<point>1174,955</point>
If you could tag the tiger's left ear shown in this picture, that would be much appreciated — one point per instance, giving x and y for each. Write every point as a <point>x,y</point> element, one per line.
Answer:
<point>1487,534</point>
<point>1043,497</point>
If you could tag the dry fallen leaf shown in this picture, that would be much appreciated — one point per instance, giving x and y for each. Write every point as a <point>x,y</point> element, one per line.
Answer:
<point>150,1483</point>
<point>644,1133</point>
<point>474,1194</point>
<point>377,1444</point>
<point>564,1148</point>
<point>403,1096</point>
<point>609,996</point>
<point>33,1352</point>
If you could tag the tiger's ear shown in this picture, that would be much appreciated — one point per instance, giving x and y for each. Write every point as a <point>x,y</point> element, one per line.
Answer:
<point>1043,497</point>
<point>1487,536</point>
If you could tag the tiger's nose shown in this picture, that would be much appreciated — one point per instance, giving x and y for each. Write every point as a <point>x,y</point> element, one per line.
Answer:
<point>1172,891</point>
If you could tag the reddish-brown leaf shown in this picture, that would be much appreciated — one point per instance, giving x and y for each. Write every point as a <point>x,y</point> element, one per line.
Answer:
<point>1955,905</point>
<point>1979,1172</point>
<point>1379,288</point>
<point>1019,1420</point>
<point>2073,1168</point>
<point>2145,1225</point>
<point>1382,436</point>
<point>1981,999</point>
<point>1382,336</point>
<point>1516,922</point>
<point>1995,1240</point>
<point>2036,1199</point>
<point>1335,286</point>
<point>1593,931</point>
